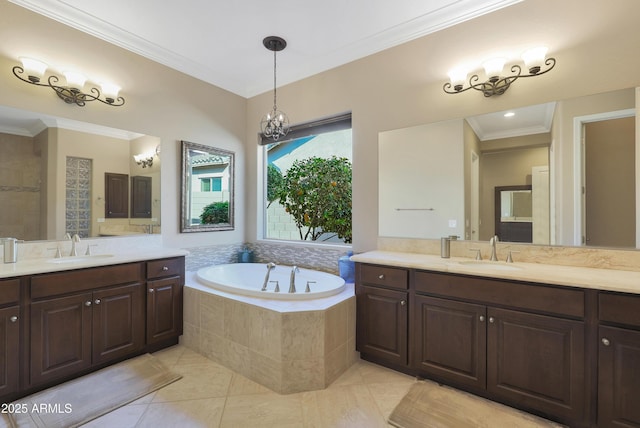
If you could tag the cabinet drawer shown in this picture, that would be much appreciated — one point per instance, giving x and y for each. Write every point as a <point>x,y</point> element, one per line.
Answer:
<point>9,291</point>
<point>384,276</point>
<point>52,284</point>
<point>619,308</point>
<point>165,267</point>
<point>552,300</point>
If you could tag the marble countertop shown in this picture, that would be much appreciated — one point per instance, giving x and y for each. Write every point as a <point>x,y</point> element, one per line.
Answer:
<point>42,265</point>
<point>600,279</point>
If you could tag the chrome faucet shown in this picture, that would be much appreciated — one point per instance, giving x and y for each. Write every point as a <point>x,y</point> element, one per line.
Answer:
<point>292,280</point>
<point>74,241</point>
<point>493,241</point>
<point>266,278</point>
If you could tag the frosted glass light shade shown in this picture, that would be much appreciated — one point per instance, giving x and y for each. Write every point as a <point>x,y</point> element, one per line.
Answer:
<point>458,76</point>
<point>75,80</point>
<point>534,58</point>
<point>110,91</point>
<point>33,68</point>
<point>493,67</point>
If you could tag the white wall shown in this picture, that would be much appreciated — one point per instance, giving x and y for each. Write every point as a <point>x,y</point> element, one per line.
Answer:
<point>421,194</point>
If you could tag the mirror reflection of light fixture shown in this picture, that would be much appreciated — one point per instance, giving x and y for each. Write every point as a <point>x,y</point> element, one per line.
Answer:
<point>274,124</point>
<point>72,92</point>
<point>496,84</point>
<point>144,159</point>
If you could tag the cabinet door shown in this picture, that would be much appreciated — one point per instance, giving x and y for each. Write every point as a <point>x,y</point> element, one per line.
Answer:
<point>164,309</point>
<point>118,322</point>
<point>9,349</point>
<point>382,323</point>
<point>537,362</point>
<point>60,337</point>
<point>619,378</point>
<point>449,340</point>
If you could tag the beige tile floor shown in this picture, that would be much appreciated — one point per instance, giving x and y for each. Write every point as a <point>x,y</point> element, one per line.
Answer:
<point>210,395</point>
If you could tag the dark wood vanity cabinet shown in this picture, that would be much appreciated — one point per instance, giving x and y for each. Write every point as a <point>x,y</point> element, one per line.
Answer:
<point>78,321</point>
<point>10,321</point>
<point>84,318</point>
<point>382,313</point>
<point>618,360</point>
<point>503,338</point>
<point>165,280</point>
<point>519,343</point>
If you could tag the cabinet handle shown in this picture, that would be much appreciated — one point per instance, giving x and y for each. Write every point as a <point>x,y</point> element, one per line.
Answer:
<point>491,320</point>
<point>605,341</point>
<point>164,268</point>
<point>481,318</point>
<point>13,318</point>
<point>403,302</point>
<point>381,276</point>
<point>97,301</point>
<point>87,303</point>
<point>151,290</point>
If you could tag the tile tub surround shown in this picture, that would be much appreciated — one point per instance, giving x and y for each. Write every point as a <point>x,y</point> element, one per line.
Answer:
<point>286,346</point>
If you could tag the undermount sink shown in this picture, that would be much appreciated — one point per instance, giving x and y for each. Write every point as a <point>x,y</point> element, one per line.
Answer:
<point>489,265</point>
<point>79,259</point>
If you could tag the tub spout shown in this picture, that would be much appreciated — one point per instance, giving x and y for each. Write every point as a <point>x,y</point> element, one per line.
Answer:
<point>292,281</point>
<point>266,278</point>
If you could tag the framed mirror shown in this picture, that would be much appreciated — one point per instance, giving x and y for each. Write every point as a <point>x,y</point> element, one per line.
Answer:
<point>207,188</point>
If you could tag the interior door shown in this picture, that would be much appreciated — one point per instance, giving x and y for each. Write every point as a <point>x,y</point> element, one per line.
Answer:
<point>609,183</point>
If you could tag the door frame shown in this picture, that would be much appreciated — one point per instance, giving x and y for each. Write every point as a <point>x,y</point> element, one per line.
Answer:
<point>579,122</point>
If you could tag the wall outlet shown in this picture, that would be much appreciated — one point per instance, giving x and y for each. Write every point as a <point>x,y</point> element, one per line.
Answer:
<point>453,223</point>
<point>100,219</point>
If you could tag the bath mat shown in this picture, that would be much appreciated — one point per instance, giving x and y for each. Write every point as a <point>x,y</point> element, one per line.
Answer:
<point>428,405</point>
<point>83,399</point>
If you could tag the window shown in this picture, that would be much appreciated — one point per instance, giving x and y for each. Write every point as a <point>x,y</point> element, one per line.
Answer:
<point>308,183</point>
<point>211,184</point>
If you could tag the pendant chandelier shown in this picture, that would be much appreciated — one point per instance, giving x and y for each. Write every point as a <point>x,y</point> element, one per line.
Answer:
<point>274,124</point>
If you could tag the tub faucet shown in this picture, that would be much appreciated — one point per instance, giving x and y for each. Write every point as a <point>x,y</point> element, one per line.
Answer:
<point>266,278</point>
<point>292,281</point>
<point>493,241</point>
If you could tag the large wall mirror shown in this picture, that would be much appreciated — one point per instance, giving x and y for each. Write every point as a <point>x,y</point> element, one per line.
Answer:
<point>440,179</point>
<point>52,178</point>
<point>207,188</point>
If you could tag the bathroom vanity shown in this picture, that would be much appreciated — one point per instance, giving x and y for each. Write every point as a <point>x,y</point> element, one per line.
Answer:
<point>557,341</point>
<point>63,318</point>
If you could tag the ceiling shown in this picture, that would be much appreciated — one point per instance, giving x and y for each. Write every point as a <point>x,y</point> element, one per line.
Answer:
<point>221,42</point>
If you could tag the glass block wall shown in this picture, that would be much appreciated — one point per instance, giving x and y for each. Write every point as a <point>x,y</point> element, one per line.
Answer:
<point>78,196</point>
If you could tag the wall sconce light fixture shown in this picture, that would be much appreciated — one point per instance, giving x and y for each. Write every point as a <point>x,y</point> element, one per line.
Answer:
<point>144,159</point>
<point>534,60</point>
<point>72,92</point>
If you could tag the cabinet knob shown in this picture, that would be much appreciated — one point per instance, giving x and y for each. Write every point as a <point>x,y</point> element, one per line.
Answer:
<point>403,302</point>
<point>151,290</point>
<point>164,268</point>
<point>87,303</point>
<point>97,301</point>
<point>605,341</point>
<point>492,320</point>
<point>13,318</point>
<point>481,318</point>
<point>381,276</point>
